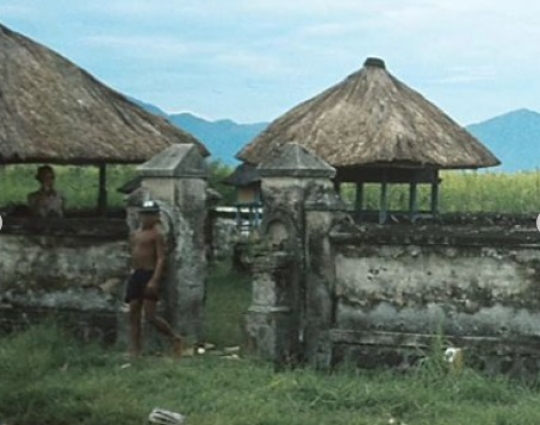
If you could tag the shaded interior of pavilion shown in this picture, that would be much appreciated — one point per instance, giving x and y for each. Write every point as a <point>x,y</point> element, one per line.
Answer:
<point>353,185</point>
<point>384,178</point>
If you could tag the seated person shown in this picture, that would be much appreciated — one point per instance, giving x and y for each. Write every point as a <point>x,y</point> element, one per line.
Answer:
<point>46,201</point>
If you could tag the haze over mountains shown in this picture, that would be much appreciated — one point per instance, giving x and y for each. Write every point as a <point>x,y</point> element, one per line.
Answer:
<point>513,137</point>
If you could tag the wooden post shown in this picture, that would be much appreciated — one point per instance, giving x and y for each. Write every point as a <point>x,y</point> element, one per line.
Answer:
<point>412,200</point>
<point>434,197</point>
<point>257,215</point>
<point>102,195</point>
<point>337,186</point>
<point>383,204</point>
<point>359,204</point>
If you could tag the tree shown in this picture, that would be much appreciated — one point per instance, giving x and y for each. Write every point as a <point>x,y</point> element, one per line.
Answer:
<point>218,171</point>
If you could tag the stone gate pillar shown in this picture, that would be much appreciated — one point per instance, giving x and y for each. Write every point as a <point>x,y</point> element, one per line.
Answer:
<point>275,318</point>
<point>177,179</point>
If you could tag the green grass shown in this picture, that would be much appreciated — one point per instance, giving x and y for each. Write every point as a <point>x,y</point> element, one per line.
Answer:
<point>460,191</point>
<point>465,192</point>
<point>48,378</point>
<point>228,298</point>
<point>78,184</point>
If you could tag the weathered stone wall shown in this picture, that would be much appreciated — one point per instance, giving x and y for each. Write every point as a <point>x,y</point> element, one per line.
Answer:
<point>459,280</point>
<point>68,270</point>
<point>464,282</point>
<point>57,263</point>
<point>184,203</point>
<point>382,295</point>
<point>225,235</point>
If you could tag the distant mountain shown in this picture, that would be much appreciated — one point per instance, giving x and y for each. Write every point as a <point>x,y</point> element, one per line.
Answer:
<point>224,138</point>
<point>513,137</point>
<point>149,107</point>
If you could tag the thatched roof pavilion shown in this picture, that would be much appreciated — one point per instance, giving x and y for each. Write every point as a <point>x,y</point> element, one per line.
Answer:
<point>244,175</point>
<point>53,111</point>
<point>247,181</point>
<point>371,127</point>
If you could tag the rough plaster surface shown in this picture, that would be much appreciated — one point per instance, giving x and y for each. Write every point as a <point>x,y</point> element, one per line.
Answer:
<point>76,280</point>
<point>55,263</point>
<point>461,290</point>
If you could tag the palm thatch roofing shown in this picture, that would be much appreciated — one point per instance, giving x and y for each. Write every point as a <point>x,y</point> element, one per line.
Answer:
<point>243,175</point>
<point>53,111</point>
<point>372,119</point>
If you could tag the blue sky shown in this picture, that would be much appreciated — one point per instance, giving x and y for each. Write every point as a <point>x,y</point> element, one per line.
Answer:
<point>253,60</point>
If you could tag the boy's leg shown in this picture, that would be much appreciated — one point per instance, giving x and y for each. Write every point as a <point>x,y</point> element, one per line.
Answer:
<point>135,307</point>
<point>150,307</point>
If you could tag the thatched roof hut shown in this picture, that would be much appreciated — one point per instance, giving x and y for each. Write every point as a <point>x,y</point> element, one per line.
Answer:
<point>373,119</point>
<point>372,128</point>
<point>53,111</point>
<point>244,175</point>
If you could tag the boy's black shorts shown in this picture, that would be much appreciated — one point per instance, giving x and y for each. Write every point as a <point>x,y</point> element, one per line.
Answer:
<point>136,287</point>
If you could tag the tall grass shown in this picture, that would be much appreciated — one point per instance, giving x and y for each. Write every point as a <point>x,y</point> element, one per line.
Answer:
<point>79,184</point>
<point>460,190</point>
<point>463,191</point>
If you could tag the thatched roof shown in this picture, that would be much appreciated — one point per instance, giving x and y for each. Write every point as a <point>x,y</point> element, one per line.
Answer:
<point>371,118</point>
<point>53,111</point>
<point>243,175</point>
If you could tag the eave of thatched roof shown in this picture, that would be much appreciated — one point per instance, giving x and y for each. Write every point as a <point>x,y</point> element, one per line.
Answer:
<point>53,111</point>
<point>372,118</point>
<point>244,175</point>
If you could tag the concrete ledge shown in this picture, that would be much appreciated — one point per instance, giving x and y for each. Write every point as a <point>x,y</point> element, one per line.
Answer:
<point>99,228</point>
<point>525,345</point>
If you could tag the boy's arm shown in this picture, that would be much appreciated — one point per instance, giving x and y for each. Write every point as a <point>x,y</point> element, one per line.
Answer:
<point>130,248</point>
<point>160,260</point>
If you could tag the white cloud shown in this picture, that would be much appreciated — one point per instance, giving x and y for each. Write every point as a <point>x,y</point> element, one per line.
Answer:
<point>467,75</point>
<point>289,49</point>
<point>251,62</point>
<point>151,47</point>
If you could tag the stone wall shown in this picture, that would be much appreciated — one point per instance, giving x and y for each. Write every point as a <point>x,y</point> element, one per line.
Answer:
<point>225,235</point>
<point>466,283</point>
<point>383,295</point>
<point>469,285</point>
<point>72,270</point>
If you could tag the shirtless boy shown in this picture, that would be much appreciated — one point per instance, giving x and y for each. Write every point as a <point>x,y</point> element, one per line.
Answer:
<point>148,257</point>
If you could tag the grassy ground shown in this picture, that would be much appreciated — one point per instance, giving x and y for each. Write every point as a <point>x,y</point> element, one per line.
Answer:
<point>47,378</point>
<point>228,298</point>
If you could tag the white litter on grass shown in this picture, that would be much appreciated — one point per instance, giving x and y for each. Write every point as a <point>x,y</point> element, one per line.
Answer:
<point>451,354</point>
<point>165,417</point>
<point>201,350</point>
